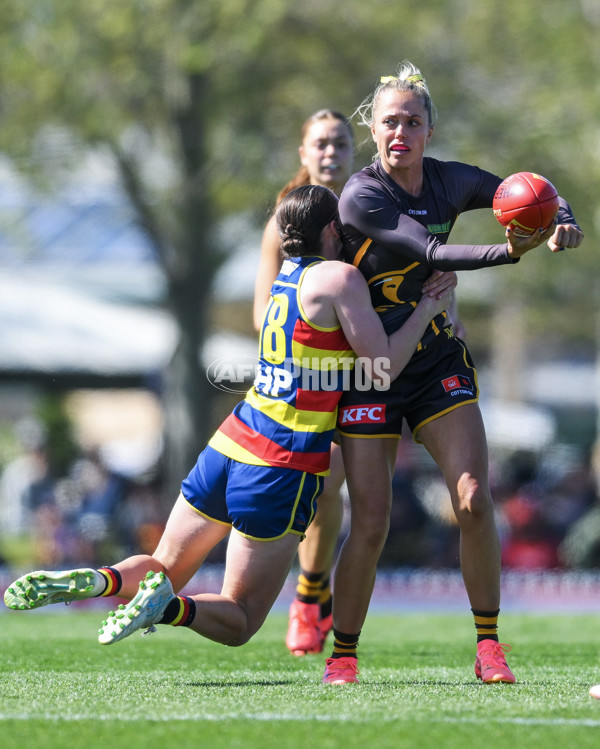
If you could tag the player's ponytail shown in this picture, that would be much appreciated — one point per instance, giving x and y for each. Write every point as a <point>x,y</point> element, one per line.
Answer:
<point>301,217</point>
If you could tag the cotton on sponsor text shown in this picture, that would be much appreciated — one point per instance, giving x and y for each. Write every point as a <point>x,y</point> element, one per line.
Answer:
<point>458,385</point>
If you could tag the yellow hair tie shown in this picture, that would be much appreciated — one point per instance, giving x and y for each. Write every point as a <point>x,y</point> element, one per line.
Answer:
<point>411,78</point>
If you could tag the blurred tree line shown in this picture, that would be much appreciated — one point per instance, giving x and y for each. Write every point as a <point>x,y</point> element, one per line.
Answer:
<point>198,104</point>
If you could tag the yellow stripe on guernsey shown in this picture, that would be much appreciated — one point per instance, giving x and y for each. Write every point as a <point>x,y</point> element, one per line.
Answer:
<point>229,447</point>
<point>294,418</point>
<point>319,359</point>
<point>361,251</point>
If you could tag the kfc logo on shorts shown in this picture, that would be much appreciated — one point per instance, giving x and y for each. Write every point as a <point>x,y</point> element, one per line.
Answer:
<point>457,381</point>
<point>371,414</point>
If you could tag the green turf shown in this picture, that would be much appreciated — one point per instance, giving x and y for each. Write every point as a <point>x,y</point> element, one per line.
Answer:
<point>59,688</point>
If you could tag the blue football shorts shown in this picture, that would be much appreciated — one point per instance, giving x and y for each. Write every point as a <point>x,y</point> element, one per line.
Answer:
<point>260,502</point>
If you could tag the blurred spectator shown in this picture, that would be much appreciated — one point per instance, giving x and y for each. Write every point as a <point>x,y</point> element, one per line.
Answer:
<point>529,543</point>
<point>26,482</point>
<point>76,524</point>
<point>63,513</point>
<point>581,545</point>
<point>139,519</point>
<point>527,540</point>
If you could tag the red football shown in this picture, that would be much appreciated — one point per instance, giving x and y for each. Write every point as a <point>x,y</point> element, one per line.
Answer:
<point>525,202</point>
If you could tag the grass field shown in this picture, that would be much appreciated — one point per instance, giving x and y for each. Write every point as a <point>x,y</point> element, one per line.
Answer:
<point>59,688</point>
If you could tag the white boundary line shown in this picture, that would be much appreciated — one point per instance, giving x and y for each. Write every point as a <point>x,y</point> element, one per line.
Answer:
<point>281,718</point>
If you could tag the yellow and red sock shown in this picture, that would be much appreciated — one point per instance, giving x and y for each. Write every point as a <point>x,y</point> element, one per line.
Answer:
<point>180,612</point>
<point>113,581</point>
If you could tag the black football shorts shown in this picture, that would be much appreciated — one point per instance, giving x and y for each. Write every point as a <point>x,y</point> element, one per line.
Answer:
<point>439,378</point>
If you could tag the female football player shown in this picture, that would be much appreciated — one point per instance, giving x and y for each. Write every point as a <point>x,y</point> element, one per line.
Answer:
<point>259,478</point>
<point>396,216</point>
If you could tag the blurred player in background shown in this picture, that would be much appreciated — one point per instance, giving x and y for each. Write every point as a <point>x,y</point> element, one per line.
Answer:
<point>326,155</point>
<point>396,216</point>
<point>259,478</point>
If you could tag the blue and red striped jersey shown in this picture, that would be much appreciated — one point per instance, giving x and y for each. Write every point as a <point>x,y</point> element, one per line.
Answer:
<point>289,415</point>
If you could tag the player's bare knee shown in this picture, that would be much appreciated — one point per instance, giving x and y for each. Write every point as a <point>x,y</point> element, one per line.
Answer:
<point>372,532</point>
<point>474,501</point>
<point>245,625</point>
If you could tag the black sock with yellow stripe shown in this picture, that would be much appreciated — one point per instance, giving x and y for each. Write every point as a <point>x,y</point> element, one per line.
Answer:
<point>325,599</point>
<point>113,580</point>
<point>180,612</point>
<point>344,645</point>
<point>486,624</point>
<point>308,588</point>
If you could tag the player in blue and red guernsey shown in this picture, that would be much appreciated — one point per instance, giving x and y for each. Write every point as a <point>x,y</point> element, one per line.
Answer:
<point>396,216</point>
<point>258,480</point>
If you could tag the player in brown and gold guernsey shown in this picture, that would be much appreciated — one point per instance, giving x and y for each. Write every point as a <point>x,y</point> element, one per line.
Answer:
<point>396,216</point>
<point>326,153</point>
